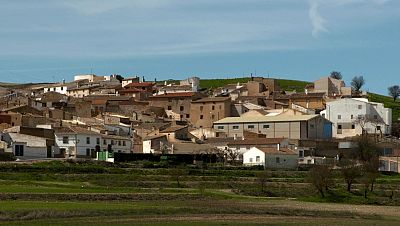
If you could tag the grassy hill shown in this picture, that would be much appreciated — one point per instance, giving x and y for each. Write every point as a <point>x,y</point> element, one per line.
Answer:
<point>285,84</point>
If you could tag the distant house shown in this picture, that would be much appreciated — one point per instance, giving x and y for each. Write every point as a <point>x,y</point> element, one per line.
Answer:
<point>281,126</point>
<point>155,144</point>
<point>331,87</point>
<point>205,111</point>
<point>349,115</point>
<point>177,105</point>
<point>76,142</point>
<point>27,146</point>
<point>271,158</point>
<point>127,81</point>
<point>244,145</point>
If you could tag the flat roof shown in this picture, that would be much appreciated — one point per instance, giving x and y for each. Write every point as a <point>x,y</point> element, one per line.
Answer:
<point>278,118</point>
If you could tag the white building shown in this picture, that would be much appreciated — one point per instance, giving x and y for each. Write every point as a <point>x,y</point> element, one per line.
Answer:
<point>350,115</point>
<point>271,157</point>
<point>59,88</point>
<point>76,142</point>
<point>120,144</point>
<point>26,146</point>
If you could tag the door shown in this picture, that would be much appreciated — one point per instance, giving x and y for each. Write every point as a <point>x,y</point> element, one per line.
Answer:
<point>49,152</point>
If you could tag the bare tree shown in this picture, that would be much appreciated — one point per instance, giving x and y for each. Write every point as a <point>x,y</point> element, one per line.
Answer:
<point>394,92</point>
<point>262,178</point>
<point>232,155</point>
<point>320,177</point>
<point>350,172</point>
<point>177,173</point>
<point>357,82</point>
<point>336,75</point>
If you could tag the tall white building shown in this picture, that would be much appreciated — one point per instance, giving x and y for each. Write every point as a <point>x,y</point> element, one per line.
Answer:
<point>350,115</point>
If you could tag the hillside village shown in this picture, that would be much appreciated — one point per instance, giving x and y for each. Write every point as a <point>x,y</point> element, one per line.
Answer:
<point>256,122</point>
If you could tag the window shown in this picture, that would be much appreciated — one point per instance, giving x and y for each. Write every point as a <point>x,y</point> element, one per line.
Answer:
<point>201,116</point>
<point>277,160</point>
<point>62,88</point>
<point>359,106</point>
<point>351,117</point>
<point>104,141</point>
<point>19,150</point>
<point>247,147</point>
<point>311,126</point>
<point>213,108</point>
<point>265,126</point>
<point>87,151</point>
<point>97,140</point>
<point>169,108</point>
<point>65,140</point>
<point>87,140</point>
<point>119,143</point>
<point>235,127</point>
<point>339,117</point>
<point>212,116</point>
<point>257,158</point>
<point>220,127</point>
<point>201,108</point>
<point>220,107</point>
<point>250,159</point>
<point>353,126</point>
<point>339,126</point>
<point>112,142</point>
<point>181,108</point>
<point>375,117</point>
<point>250,127</point>
<point>359,116</point>
<point>187,116</point>
<point>378,127</point>
<point>123,143</point>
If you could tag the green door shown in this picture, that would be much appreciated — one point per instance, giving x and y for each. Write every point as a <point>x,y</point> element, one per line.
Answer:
<point>102,155</point>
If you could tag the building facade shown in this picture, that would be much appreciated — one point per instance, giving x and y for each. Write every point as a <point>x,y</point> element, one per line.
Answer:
<point>350,115</point>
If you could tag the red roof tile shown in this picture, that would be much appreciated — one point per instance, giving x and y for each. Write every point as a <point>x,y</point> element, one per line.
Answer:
<point>179,94</point>
<point>140,84</point>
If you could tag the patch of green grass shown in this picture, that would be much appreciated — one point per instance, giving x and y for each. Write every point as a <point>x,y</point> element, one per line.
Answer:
<point>292,85</point>
<point>215,83</point>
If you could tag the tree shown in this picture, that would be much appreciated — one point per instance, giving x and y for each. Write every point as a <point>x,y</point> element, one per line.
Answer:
<point>336,75</point>
<point>320,177</point>
<point>262,178</point>
<point>357,82</point>
<point>394,92</point>
<point>350,171</point>
<point>371,169</point>
<point>177,173</point>
<point>232,155</point>
<point>367,150</point>
<point>119,78</point>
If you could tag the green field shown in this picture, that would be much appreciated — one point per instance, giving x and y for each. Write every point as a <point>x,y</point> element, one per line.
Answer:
<point>68,193</point>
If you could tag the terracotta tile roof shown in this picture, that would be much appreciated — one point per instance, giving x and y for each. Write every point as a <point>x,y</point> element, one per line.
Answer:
<point>281,151</point>
<point>140,84</point>
<point>99,101</point>
<point>211,99</point>
<point>172,129</point>
<point>179,94</point>
<point>257,141</point>
<point>74,130</point>
<point>131,90</point>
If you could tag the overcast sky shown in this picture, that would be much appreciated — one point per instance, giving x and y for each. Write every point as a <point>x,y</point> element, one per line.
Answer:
<point>295,39</point>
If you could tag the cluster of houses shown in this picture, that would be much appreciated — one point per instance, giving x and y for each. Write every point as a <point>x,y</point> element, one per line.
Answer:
<point>253,123</point>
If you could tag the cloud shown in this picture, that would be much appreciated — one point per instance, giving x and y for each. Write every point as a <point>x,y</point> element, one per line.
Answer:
<point>317,21</point>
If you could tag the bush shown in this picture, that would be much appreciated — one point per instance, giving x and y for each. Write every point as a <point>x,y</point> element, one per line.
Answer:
<point>6,156</point>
